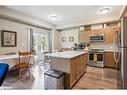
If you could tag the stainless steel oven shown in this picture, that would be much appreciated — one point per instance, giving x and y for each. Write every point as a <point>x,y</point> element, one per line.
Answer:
<point>96,57</point>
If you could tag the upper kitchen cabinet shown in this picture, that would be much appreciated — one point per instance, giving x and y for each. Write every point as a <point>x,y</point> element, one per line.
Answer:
<point>107,32</point>
<point>81,36</point>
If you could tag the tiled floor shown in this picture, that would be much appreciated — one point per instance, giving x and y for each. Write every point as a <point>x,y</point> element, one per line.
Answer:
<point>94,78</point>
<point>99,78</point>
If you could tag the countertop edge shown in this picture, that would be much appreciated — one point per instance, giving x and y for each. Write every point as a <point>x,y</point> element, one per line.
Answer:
<point>65,56</point>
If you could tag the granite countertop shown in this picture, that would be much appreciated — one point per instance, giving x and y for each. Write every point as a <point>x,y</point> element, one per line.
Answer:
<point>109,50</point>
<point>66,54</point>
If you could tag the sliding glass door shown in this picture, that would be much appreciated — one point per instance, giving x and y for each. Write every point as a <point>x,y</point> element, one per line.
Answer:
<point>40,42</point>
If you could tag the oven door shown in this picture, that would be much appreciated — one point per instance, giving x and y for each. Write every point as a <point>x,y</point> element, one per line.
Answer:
<point>91,56</point>
<point>100,57</point>
<point>96,59</point>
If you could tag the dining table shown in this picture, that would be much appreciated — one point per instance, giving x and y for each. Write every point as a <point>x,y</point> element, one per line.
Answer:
<point>11,60</point>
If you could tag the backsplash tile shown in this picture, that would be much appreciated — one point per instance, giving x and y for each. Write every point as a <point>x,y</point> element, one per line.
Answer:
<point>106,47</point>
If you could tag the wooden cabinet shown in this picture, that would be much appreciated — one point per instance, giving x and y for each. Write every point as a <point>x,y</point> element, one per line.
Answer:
<point>109,60</point>
<point>72,70</point>
<point>84,64</point>
<point>78,67</point>
<point>81,36</point>
<point>108,34</point>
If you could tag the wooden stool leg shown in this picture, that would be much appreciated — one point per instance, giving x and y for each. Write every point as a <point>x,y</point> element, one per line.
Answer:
<point>20,72</point>
<point>29,72</point>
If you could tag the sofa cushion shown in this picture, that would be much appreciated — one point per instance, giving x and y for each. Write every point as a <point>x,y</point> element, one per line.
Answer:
<point>3,71</point>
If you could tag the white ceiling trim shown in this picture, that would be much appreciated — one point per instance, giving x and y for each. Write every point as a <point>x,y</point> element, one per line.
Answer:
<point>5,12</point>
<point>70,16</point>
<point>122,10</point>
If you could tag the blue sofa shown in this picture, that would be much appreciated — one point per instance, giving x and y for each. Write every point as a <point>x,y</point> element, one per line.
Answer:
<point>3,71</point>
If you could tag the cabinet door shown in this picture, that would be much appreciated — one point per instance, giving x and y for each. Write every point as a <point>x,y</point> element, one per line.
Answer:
<point>86,38</point>
<point>109,60</point>
<point>81,36</point>
<point>82,64</point>
<point>72,71</point>
<point>108,34</point>
<point>77,66</point>
<point>85,61</point>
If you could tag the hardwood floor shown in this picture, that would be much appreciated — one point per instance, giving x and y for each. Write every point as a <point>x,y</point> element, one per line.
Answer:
<point>99,78</point>
<point>94,78</point>
<point>36,81</point>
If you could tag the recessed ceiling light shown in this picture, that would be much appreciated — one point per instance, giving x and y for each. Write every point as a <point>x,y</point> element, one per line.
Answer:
<point>54,17</point>
<point>104,10</point>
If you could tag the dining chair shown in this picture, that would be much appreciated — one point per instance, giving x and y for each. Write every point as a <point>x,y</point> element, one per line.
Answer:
<point>24,62</point>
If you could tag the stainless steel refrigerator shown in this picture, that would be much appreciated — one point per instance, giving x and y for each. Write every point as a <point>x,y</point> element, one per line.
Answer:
<point>123,48</point>
<point>120,52</point>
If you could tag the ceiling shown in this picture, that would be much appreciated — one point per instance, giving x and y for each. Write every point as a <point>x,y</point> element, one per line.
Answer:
<point>67,14</point>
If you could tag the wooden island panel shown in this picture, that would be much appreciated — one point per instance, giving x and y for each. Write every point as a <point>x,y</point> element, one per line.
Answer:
<point>73,68</point>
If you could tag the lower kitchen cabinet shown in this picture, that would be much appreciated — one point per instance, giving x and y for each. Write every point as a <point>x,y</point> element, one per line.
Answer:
<point>78,67</point>
<point>109,60</point>
<point>72,71</point>
<point>73,68</point>
<point>85,62</point>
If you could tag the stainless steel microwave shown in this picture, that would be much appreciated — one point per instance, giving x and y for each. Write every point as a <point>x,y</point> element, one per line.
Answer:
<point>97,38</point>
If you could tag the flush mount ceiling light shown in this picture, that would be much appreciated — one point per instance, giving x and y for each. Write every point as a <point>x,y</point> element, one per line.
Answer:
<point>104,10</point>
<point>54,17</point>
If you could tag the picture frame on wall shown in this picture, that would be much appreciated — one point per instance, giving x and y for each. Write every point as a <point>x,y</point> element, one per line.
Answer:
<point>8,38</point>
<point>71,39</point>
<point>63,39</point>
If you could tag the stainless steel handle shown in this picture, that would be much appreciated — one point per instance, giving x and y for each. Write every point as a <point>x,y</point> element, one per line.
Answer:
<point>116,44</point>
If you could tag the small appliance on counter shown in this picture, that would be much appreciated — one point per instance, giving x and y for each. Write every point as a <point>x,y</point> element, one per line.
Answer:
<point>81,46</point>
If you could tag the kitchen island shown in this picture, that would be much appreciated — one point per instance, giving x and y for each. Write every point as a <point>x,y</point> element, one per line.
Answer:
<point>72,63</point>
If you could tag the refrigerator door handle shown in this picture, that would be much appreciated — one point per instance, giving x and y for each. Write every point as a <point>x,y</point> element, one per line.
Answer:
<point>116,44</point>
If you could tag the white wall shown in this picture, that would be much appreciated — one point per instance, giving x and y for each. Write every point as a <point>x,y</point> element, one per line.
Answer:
<point>73,32</point>
<point>55,39</point>
<point>21,29</point>
<point>22,35</point>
